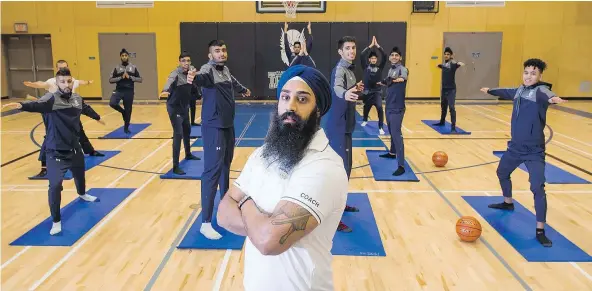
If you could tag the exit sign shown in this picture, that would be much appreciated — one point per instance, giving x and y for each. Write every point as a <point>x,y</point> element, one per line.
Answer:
<point>21,27</point>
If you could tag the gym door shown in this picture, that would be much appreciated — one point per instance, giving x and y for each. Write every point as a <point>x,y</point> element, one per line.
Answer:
<point>142,50</point>
<point>28,58</point>
<point>481,52</point>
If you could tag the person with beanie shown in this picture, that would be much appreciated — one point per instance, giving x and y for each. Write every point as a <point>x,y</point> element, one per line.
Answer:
<point>124,76</point>
<point>290,195</point>
<point>448,90</point>
<point>396,82</point>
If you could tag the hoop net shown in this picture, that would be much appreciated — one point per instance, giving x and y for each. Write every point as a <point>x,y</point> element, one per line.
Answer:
<point>290,7</point>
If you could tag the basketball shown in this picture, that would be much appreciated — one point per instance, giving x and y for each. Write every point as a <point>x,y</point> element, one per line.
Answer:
<point>440,158</point>
<point>468,228</point>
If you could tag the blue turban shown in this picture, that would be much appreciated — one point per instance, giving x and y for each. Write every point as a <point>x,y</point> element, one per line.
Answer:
<point>315,80</point>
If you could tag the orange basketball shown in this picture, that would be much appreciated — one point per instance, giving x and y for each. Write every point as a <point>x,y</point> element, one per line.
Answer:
<point>440,158</point>
<point>468,228</point>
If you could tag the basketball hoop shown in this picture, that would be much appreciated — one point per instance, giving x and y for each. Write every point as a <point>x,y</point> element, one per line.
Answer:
<point>290,8</point>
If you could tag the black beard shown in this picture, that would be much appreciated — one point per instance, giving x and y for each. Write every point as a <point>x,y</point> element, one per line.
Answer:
<point>286,143</point>
<point>65,95</point>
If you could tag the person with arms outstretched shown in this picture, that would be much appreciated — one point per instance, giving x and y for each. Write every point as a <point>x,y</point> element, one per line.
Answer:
<point>527,145</point>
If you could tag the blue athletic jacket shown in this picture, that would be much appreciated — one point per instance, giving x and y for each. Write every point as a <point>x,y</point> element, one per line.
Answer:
<point>62,114</point>
<point>529,116</point>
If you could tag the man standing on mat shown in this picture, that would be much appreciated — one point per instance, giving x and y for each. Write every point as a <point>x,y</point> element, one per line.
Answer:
<point>124,75</point>
<point>291,193</point>
<point>179,90</point>
<point>62,109</point>
<point>341,118</point>
<point>531,101</point>
<point>372,76</point>
<point>396,83</point>
<point>51,86</point>
<point>217,115</point>
<point>448,98</point>
<point>300,56</point>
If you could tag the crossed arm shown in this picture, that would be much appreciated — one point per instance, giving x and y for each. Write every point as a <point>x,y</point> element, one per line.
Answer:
<point>271,233</point>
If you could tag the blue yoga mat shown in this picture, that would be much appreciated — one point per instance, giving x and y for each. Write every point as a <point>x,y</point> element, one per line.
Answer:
<point>195,132</point>
<point>195,240</point>
<point>518,228</point>
<point>445,129</point>
<point>364,240</point>
<point>371,128</point>
<point>193,168</point>
<point>89,163</point>
<point>553,174</point>
<point>78,217</point>
<point>135,128</point>
<point>240,122</point>
<point>383,168</point>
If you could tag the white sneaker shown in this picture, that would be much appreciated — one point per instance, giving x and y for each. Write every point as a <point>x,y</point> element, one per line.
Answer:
<point>381,131</point>
<point>56,228</point>
<point>364,123</point>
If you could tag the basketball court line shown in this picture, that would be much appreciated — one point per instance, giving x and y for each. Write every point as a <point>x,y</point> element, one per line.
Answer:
<point>220,271</point>
<point>573,264</point>
<point>566,136</point>
<point>106,219</point>
<point>220,275</point>
<point>169,253</point>
<point>554,141</point>
<point>485,242</point>
<point>110,185</point>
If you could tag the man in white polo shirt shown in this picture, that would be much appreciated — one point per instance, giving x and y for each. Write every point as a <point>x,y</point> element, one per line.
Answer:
<point>291,193</point>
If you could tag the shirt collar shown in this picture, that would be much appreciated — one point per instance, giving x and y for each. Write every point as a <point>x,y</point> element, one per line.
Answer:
<point>319,141</point>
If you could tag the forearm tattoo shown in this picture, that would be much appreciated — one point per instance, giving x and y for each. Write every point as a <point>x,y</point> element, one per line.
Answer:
<point>297,218</point>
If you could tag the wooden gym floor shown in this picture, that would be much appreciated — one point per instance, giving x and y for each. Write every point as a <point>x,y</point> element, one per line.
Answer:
<point>133,247</point>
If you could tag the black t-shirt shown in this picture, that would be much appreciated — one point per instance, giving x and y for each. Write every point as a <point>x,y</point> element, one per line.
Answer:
<point>448,73</point>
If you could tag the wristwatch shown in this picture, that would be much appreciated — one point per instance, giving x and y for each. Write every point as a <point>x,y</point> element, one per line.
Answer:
<point>242,201</point>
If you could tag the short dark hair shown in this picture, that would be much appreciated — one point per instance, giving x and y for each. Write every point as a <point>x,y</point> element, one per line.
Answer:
<point>345,39</point>
<point>448,50</point>
<point>216,42</point>
<point>297,43</point>
<point>61,62</point>
<point>372,54</point>
<point>537,63</point>
<point>184,54</point>
<point>64,72</point>
<point>123,51</point>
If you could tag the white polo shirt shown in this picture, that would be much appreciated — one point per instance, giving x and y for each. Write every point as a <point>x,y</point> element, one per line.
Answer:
<point>53,86</point>
<point>319,184</point>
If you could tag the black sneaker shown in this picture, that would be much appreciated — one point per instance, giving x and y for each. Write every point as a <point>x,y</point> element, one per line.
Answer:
<point>400,171</point>
<point>542,238</point>
<point>453,129</point>
<point>96,154</point>
<point>351,209</point>
<point>192,157</point>
<point>438,124</point>
<point>388,156</point>
<point>178,171</point>
<point>41,174</point>
<point>502,206</point>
